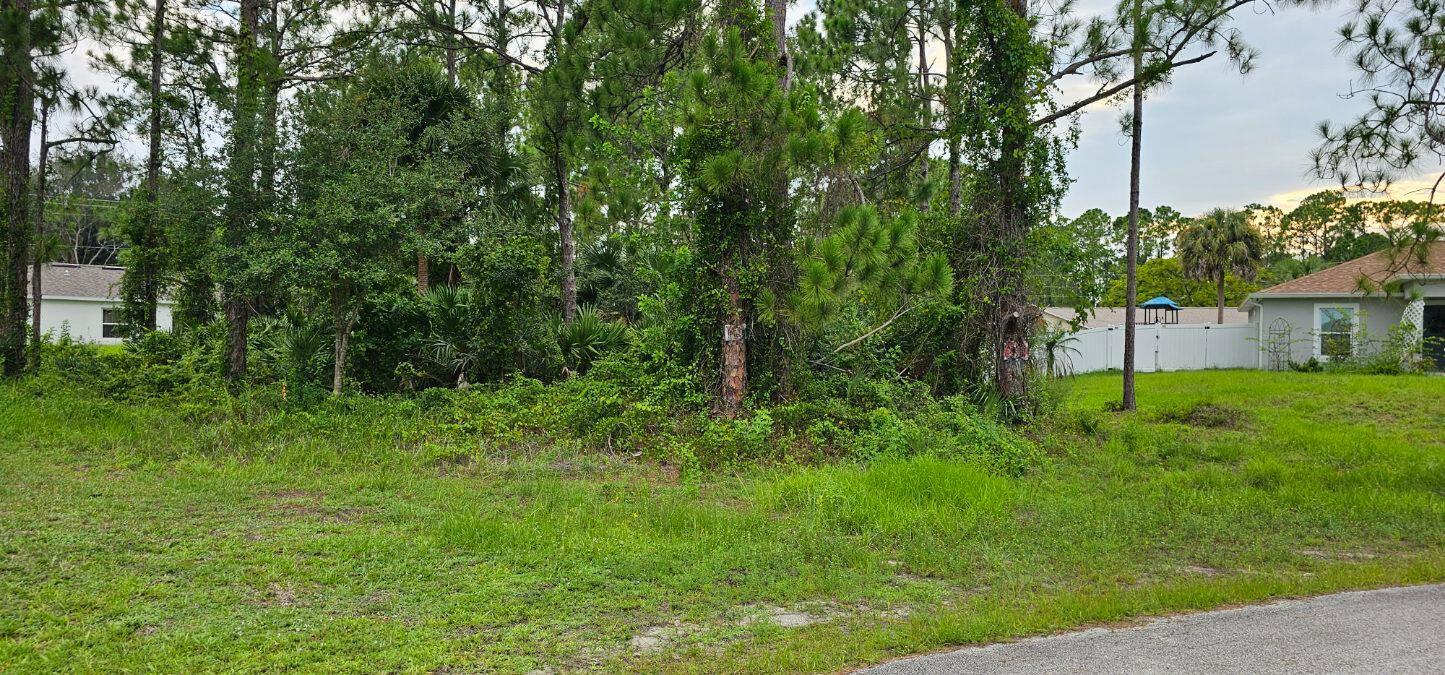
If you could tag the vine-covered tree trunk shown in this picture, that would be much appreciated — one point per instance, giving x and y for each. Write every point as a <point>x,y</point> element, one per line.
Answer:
<point>269,140</point>
<point>269,83</point>
<point>19,114</point>
<point>1013,315</point>
<point>36,285</point>
<point>241,202</point>
<point>35,334</point>
<point>150,281</point>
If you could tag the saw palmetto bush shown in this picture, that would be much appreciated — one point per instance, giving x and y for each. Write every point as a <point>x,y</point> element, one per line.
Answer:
<point>299,351</point>
<point>452,343</point>
<point>587,338</point>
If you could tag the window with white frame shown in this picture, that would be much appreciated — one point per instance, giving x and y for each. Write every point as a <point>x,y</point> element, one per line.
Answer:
<point>110,322</point>
<point>1335,328</point>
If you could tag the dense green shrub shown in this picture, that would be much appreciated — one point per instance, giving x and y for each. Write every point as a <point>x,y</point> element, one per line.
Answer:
<point>624,405</point>
<point>1397,353</point>
<point>150,365</point>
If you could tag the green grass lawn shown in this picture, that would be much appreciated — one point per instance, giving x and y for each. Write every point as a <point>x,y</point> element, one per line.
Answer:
<point>138,537</point>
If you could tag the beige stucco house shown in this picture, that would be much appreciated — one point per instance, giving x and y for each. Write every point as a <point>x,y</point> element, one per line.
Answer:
<point>1345,309</point>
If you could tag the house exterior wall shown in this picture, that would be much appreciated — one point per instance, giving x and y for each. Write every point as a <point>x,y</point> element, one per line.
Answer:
<point>82,317</point>
<point>1433,291</point>
<point>1380,314</point>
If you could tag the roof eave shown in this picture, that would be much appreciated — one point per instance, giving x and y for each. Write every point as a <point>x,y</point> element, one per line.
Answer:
<point>1315,294</point>
<point>86,298</point>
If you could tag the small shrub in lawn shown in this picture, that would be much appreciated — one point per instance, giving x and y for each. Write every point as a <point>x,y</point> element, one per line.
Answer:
<point>737,440</point>
<point>1208,415</point>
<point>1090,423</point>
<point>1264,474</point>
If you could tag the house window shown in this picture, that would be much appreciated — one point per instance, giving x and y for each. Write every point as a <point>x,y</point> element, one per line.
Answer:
<point>1335,330</point>
<point>110,322</point>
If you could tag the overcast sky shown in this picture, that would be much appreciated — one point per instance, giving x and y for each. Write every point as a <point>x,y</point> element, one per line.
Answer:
<point>1216,138</point>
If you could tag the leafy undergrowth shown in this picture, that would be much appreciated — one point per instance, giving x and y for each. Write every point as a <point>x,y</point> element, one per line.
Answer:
<point>359,536</point>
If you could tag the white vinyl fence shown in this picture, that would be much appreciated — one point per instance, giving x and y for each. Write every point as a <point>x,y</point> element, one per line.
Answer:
<point>1165,347</point>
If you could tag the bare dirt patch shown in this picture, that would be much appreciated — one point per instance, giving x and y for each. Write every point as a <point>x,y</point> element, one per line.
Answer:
<point>1336,555</point>
<point>309,505</point>
<point>279,596</point>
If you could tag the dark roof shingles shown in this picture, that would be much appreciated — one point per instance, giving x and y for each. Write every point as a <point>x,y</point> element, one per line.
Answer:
<point>60,280</point>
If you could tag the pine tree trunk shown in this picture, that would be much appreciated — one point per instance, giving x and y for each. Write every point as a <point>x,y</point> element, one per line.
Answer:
<point>19,99</point>
<point>925,164</point>
<point>955,177</point>
<point>952,101</point>
<point>564,233</point>
<point>734,345</point>
<point>238,320</point>
<point>563,180</point>
<point>450,52</point>
<point>778,16</point>
<point>451,40</point>
<point>1131,270</point>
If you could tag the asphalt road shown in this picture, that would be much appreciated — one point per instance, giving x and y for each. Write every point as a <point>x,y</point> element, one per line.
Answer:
<point>1394,630</point>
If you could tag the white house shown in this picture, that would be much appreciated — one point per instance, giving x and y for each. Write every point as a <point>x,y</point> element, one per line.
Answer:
<point>85,300</point>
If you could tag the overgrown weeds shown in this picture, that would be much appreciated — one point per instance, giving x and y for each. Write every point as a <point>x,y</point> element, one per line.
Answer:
<point>1209,415</point>
<point>618,407</point>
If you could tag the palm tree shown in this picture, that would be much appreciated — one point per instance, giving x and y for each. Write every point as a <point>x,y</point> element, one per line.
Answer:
<point>1220,243</point>
<point>1057,345</point>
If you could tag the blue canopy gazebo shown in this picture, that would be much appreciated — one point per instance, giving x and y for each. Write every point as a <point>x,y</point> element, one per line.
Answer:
<point>1160,309</point>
